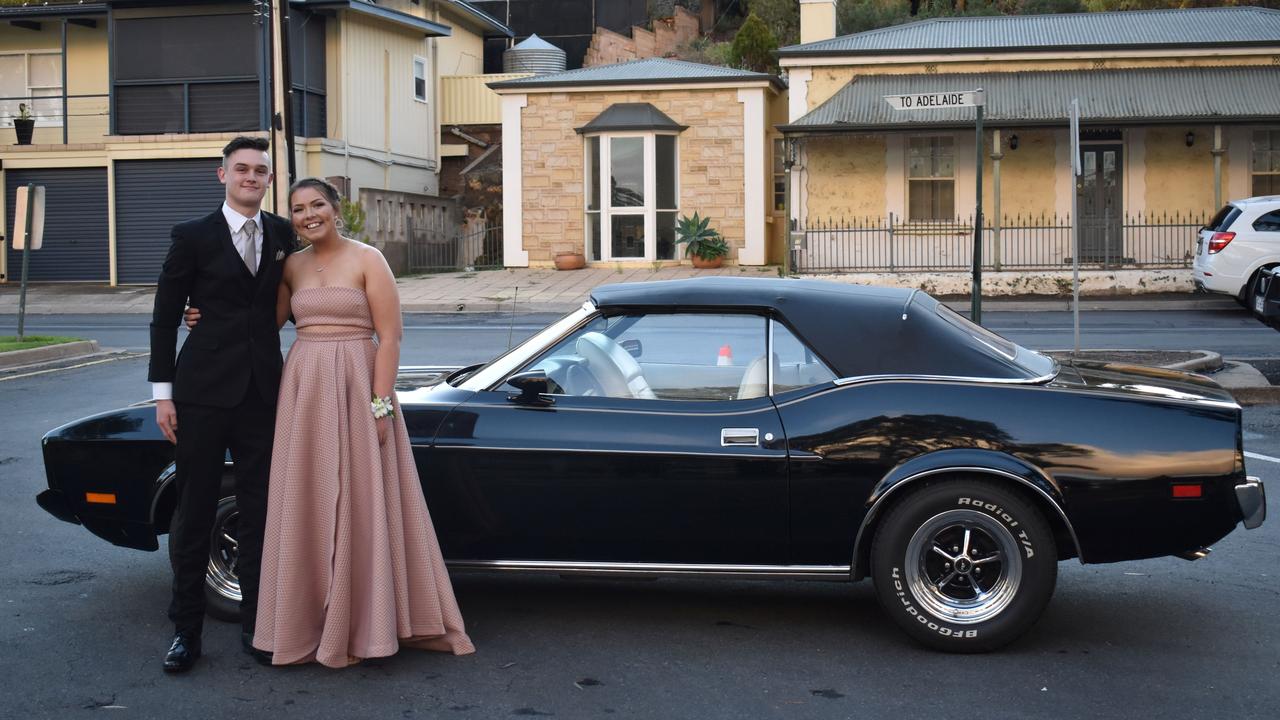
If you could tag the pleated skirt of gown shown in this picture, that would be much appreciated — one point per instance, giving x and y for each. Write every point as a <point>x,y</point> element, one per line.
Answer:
<point>351,567</point>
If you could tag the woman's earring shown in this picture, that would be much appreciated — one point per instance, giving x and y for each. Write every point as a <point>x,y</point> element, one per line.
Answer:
<point>339,224</point>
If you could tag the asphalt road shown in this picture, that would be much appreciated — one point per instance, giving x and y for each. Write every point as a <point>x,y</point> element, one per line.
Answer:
<point>82,624</point>
<point>467,338</point>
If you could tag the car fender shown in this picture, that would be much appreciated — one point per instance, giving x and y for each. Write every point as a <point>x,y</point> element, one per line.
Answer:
<point>960,461</point>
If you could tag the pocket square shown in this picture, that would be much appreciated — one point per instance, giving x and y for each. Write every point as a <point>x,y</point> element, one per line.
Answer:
<point>279,255</point>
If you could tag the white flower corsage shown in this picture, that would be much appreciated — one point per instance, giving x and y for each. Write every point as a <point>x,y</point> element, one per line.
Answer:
<point>279,255</point>
<point>382,407</point>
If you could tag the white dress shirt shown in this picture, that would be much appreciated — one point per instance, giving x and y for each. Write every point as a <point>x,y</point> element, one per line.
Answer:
<point>235,222</point>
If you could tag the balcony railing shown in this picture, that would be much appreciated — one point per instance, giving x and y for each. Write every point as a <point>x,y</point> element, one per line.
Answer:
<point>60,119</point>
<point>1015,243</point>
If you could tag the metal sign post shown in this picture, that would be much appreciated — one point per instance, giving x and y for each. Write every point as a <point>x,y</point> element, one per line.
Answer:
<point>1076,170</point>
<point>28,232</point>
<point>942,100</point>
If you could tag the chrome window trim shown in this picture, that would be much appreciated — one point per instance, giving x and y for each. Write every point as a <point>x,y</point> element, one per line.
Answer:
<point>873,511</point>
<point>840,572</point>
<point>768,354</point>
<point>858,379</point>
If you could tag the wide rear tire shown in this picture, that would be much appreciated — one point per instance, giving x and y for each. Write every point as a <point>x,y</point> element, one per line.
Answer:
<point>964,565</point>
<point>221,584</point>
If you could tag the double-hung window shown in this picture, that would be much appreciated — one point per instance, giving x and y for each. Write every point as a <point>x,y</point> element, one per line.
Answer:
<point>632,196</point>
<point>1265,162</point>
<point>420,79</point>
<point>931,182</point>
<point>34,79</point>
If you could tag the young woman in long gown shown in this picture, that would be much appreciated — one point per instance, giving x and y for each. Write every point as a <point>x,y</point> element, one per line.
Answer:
<point>351,568</point>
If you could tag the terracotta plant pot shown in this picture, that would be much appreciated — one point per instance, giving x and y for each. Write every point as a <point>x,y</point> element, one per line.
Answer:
<point>700,262</point>
<point>570,261</point>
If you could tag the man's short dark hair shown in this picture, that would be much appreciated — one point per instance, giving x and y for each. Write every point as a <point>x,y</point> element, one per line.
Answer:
<point>244,142</point>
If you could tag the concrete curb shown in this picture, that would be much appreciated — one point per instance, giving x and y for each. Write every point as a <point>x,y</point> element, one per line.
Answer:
<point>48,353</point>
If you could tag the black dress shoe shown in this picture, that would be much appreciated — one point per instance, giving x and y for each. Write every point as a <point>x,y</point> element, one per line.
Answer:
<point>262,656</point>
<point>182,653</point>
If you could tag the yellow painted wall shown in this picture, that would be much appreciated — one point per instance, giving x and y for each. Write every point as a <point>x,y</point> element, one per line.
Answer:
<point>377,68</point>
<point>845,177</point>
<point>1026,175</point>
<point>86,75</point>
<point>1179,178</point>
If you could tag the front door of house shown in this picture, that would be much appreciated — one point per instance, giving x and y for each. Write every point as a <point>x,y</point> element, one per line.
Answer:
<point>1100,190</point>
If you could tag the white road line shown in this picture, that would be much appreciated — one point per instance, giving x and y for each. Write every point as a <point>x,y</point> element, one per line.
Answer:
<point>1259,456</point>
<point>128,356</point>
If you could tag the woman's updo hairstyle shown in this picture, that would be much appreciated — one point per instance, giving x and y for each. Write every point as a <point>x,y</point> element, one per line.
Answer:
<point>320,185</point>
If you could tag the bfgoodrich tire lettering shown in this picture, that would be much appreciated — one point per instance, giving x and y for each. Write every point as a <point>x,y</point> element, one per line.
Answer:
<point>964,565</point>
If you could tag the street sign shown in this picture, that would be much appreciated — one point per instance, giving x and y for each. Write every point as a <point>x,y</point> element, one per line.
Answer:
<point>936,101</point>
<point>20,227</point>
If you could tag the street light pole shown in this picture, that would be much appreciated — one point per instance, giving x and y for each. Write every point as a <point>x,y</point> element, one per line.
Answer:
<point>976,300</point>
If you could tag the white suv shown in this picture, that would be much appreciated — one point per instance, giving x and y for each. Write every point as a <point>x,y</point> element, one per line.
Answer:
<point>1242,238</point>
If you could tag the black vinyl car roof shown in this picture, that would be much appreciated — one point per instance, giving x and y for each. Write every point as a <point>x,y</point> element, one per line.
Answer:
<point>859,330</point>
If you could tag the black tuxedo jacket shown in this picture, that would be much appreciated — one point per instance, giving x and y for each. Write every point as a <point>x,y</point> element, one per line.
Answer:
<point>237,337</point>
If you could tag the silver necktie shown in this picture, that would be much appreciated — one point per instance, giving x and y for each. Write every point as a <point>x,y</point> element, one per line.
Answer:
<point>250,255</point>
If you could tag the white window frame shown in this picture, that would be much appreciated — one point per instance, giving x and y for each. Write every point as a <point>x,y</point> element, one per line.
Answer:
<point>779,147</point>
<point>906,174</point>
<point>1254,173</point>
<point>8,117</point>
<point>419,61</point>
<point>650,208</point>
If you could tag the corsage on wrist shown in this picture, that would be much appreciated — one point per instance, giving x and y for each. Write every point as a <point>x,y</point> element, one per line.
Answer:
<point>382,407</point>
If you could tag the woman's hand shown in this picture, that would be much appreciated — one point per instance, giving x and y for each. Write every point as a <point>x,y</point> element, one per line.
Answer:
<point>384,429</point>
<point>192,316</point>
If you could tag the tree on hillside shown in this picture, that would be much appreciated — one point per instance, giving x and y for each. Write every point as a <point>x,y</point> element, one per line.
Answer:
<point>782,17</point>
<point>755,47</point>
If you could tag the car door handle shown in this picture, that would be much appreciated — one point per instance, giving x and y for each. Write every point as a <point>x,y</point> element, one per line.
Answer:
<point>739,436</point>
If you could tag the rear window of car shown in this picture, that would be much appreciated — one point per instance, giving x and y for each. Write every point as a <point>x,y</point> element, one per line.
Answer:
<point>1031,362</point>
<point>1223,219</point>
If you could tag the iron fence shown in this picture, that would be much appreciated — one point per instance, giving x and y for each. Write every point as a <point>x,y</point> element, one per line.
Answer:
<point>1015,243</point>
<point>437,248</point>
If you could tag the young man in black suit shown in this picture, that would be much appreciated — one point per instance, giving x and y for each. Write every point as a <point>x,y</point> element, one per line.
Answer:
<point>219,393</point>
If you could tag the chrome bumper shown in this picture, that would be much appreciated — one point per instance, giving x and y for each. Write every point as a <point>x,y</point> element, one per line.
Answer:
<point>1253,502</point>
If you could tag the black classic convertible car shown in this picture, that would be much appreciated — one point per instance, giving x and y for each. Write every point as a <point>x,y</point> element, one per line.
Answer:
<point>771,429</point>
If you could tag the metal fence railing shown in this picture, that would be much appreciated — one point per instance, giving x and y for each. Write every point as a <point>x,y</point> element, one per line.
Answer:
<point>58,119</point>
<point>1014,243</point>
<point>442,249</point>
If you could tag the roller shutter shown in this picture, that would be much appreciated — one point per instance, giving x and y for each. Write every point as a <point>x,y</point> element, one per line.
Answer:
<point>151,197</point>
<point>75,245</point>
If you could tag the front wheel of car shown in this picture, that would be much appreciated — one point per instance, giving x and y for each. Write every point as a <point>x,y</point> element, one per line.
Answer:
<point>964,565</point>
<point>221,583</point>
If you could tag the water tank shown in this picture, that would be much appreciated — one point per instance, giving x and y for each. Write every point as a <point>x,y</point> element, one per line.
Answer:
<point>534,55</point>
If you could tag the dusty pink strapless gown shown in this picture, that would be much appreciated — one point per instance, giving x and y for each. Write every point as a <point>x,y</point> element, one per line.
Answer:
<point>350,563</point>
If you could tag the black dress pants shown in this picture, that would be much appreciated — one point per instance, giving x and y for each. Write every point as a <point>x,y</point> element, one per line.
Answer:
<point>204,435</point>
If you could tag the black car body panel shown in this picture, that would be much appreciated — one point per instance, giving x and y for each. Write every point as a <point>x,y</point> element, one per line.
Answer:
<point>659,483</point>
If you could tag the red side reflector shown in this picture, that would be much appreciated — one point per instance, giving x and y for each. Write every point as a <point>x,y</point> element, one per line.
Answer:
<point>100,498</point>
<point>1188,491</point>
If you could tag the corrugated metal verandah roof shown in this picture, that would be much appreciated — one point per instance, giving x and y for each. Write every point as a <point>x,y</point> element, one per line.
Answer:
<point>1198,27</point>
<point>1149,95</point>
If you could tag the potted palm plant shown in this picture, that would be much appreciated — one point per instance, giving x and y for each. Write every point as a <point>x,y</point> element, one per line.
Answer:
<point>24,125</point>
<point>704,245</point>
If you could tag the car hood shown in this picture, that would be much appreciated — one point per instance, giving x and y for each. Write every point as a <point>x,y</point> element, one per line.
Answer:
<point>1140,381</point>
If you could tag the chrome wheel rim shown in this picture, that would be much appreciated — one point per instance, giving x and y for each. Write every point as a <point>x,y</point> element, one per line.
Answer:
<point>224,553</point>
<point>963,566</point>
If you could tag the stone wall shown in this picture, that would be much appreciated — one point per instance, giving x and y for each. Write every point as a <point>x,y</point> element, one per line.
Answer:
<point>608,47</point>
<point>710,157</point>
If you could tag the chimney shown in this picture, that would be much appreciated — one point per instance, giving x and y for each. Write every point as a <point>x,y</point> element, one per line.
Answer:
<point>817,20</point>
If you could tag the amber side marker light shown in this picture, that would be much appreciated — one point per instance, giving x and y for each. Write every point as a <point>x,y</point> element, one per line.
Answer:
<point>100,498</point>
<point>1188,491</point>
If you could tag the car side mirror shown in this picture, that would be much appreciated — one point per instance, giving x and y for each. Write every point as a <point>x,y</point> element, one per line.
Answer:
<point>633,346</point>
<point>533,388</point>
